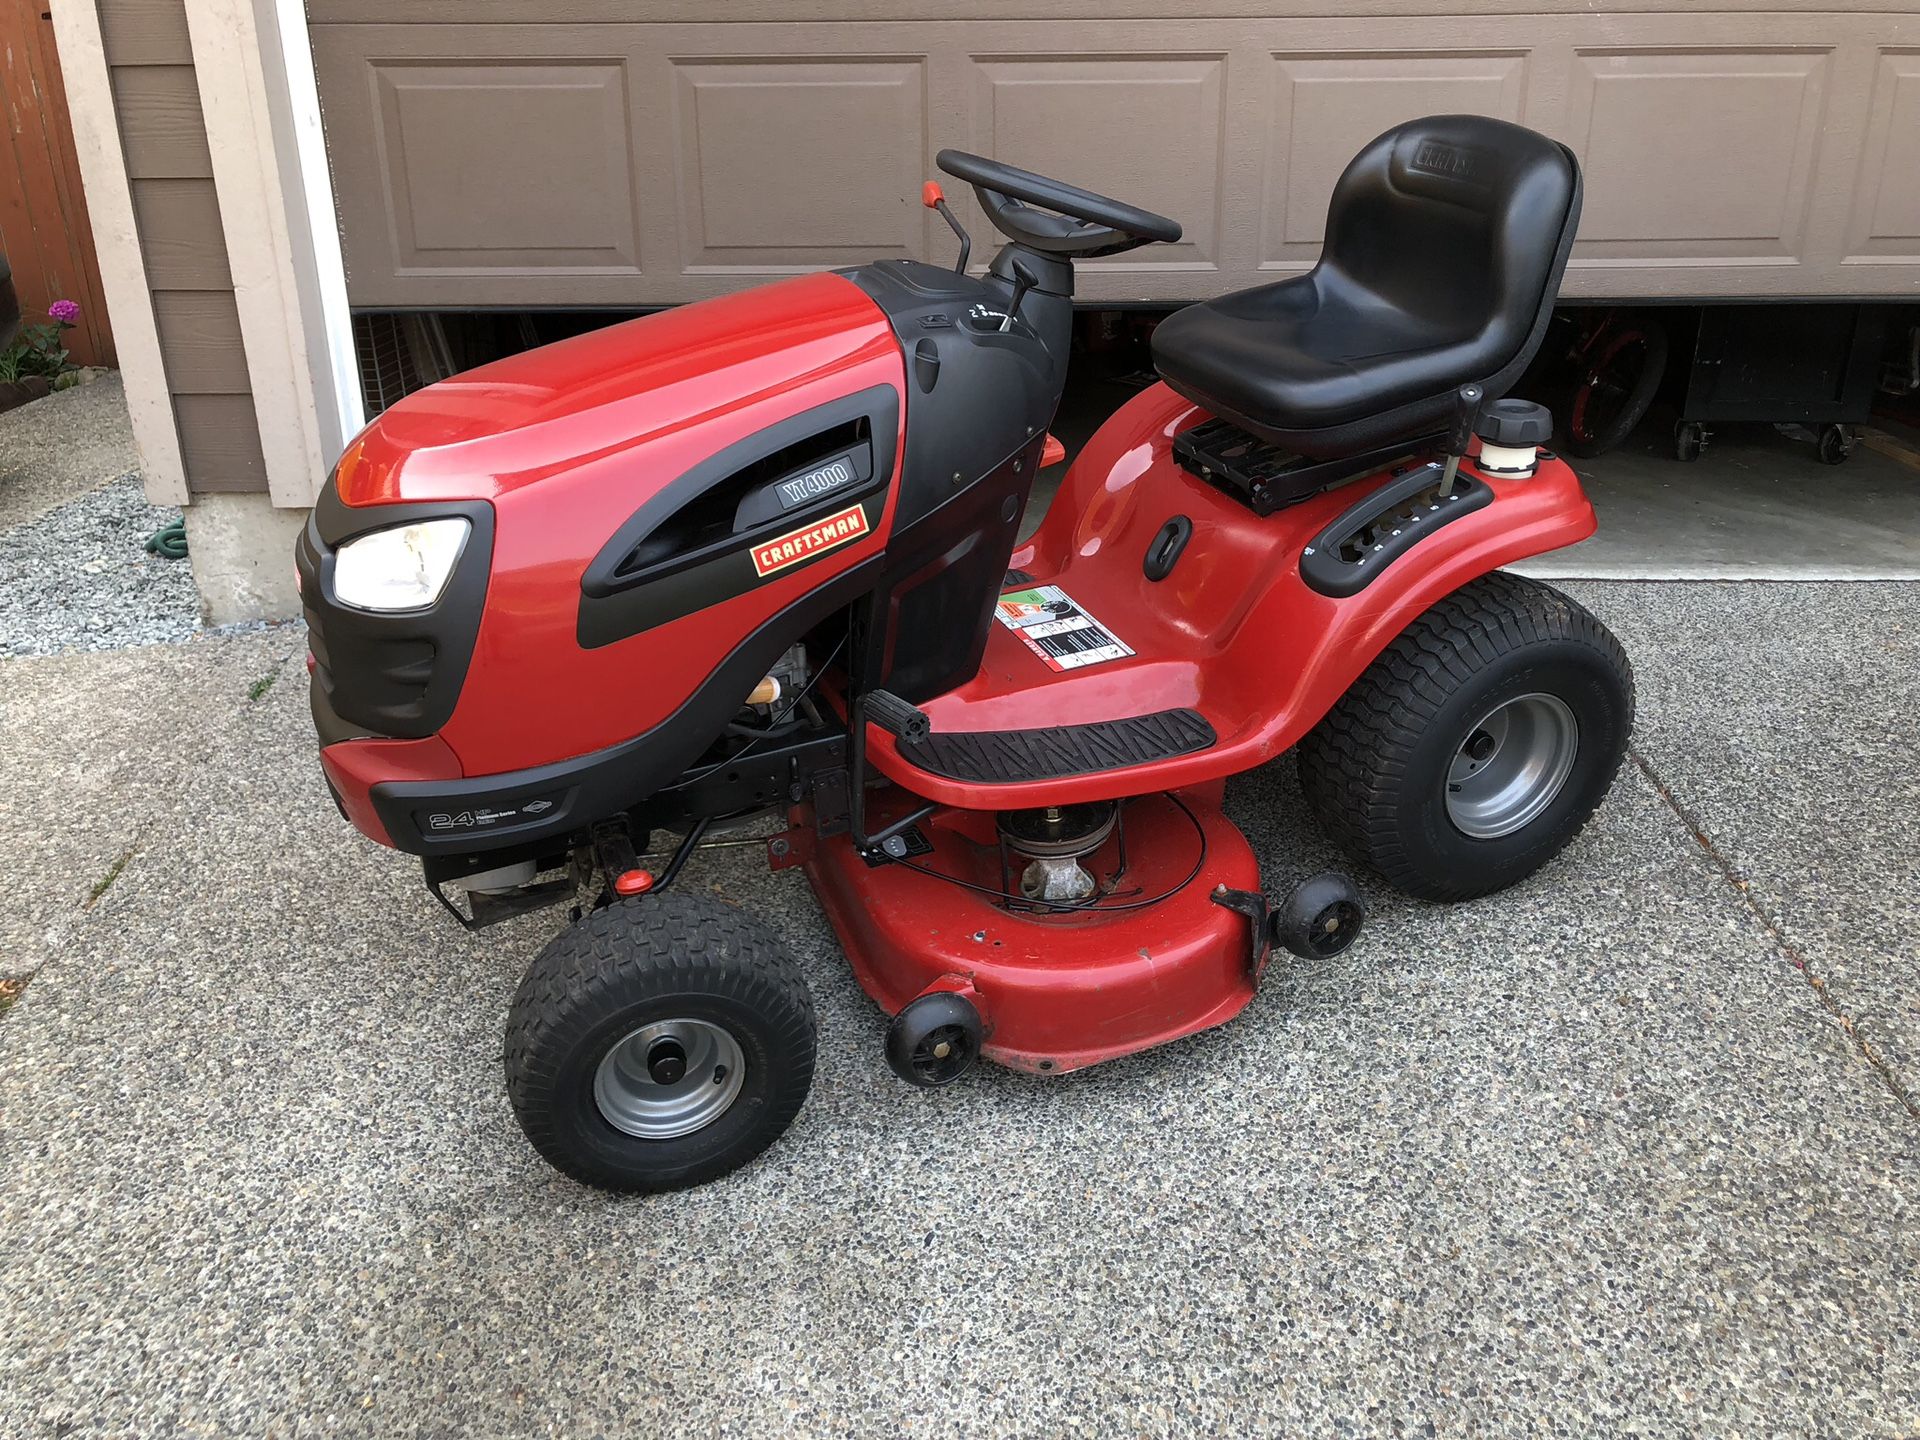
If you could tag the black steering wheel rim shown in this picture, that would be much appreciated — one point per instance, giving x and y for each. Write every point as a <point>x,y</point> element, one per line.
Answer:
<point>1006,191</point>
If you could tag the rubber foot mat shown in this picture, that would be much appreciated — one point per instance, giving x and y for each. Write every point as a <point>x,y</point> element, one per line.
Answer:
<point>1012,756</point>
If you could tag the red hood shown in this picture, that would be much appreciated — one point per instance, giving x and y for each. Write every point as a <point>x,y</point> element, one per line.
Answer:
<point>489,431</point>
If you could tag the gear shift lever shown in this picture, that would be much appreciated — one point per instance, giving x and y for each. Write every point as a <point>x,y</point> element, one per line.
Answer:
<point>1466,409</point>
<point>1023,281</point>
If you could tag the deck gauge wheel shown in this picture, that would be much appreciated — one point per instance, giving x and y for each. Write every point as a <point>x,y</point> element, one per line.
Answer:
<point>935,1039</point>
<point>1320,918</point>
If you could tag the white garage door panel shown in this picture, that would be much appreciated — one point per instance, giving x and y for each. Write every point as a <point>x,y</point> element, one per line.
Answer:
<point>1327,106</point>
<point>1885,227</point>
<point>783,164</point>
<point>1727,153</point>
<point>1149,128</point>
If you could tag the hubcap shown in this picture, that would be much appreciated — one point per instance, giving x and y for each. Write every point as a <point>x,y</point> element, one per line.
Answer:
<point>943,1054</point>
<point>1511,765</point>
<point>670,1078</point>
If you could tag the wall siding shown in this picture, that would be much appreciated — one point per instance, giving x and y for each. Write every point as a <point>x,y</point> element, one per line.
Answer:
<point>182,243</point>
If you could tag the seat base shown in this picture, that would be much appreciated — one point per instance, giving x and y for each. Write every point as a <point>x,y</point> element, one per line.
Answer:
<point>1270,477</point>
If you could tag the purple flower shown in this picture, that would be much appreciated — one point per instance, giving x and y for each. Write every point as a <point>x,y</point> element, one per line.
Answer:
<point>64,311</point>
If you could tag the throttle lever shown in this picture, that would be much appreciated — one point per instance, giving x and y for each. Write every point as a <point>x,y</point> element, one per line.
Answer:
<point>934,198</point>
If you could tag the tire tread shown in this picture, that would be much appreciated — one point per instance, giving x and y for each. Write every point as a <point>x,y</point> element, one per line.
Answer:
<point>677,942</point>
<point>1351,762</point>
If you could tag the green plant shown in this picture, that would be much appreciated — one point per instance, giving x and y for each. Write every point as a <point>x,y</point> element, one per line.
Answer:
<point>38,349</point>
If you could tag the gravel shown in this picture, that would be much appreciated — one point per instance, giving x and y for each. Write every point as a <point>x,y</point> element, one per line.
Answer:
<point>77,577</point>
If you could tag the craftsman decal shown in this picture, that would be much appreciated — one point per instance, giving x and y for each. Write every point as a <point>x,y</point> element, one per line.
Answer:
<point>810,540</point>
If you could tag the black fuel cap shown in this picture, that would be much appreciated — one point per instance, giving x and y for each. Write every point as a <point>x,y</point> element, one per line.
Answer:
<point>1514,423</point>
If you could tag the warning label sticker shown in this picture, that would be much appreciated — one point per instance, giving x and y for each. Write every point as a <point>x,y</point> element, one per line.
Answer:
<point>1057,630</point>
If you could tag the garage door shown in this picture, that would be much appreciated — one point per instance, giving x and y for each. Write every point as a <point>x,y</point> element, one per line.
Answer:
<point>509,153</point>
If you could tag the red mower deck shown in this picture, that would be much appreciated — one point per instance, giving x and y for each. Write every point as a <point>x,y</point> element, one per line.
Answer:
<point>1056,991</point>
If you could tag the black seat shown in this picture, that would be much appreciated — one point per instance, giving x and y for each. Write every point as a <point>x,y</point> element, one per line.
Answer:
<point>1446,240</point>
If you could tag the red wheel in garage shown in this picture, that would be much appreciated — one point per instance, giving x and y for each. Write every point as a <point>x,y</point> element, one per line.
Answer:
<point>1613,389</point>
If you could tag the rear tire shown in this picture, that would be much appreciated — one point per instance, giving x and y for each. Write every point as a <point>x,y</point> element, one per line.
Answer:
<point>659,1043</point>
<point>1502,662</point>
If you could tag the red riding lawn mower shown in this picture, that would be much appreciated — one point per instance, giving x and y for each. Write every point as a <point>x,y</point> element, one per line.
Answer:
<point>758,555</point>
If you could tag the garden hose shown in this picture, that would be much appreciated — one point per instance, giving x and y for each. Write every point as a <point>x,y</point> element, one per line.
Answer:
<point>169,542</point>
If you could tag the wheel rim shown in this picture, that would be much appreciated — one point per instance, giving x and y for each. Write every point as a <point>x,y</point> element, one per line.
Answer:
<point>1334,928</point>
<point>945,1055</point>
<point>1511,765</point>
<point>670,1078</point>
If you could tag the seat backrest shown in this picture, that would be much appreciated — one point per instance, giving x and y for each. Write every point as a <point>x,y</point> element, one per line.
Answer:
<point>1462,223</point>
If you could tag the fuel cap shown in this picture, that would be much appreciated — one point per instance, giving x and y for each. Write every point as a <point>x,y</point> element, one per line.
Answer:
<point>1514,423</point>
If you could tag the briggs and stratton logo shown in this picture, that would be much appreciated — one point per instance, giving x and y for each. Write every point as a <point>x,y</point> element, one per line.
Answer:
<point>815,483</point>
<point>810,540</point>
<point>1452,161</point>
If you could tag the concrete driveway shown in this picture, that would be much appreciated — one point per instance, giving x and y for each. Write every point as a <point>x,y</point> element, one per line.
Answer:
<point>1627,1150</point>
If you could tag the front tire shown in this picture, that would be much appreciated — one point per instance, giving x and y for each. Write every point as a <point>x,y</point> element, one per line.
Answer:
<point>1479,742</point>
<point>659,1043</point>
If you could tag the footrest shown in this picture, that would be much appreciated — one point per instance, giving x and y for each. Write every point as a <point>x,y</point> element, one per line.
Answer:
<point>1013,756</point>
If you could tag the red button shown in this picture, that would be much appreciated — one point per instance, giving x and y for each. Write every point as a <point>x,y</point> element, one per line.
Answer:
<point>634,882</point>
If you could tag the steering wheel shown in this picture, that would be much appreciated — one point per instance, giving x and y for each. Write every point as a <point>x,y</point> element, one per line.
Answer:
<point>1082,223</point>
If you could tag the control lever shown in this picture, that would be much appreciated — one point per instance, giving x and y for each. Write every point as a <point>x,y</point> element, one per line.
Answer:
<point>1023,281</point>
<point>897,717</point>
<point>1466,409</point>
<point>934,198</point>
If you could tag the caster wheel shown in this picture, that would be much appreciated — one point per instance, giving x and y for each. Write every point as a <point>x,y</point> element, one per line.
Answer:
<point>934,1040</point>
<point>659,1043</point>
<point>1689,439</point>
<point>1835,444</point>
<point>1320,918</point>
<point>1476,747</point>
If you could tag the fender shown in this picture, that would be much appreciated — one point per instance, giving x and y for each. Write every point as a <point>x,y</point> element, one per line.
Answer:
<point>1232,631</point>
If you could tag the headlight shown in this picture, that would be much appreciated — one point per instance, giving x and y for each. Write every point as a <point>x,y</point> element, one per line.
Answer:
<point>404,568</point>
